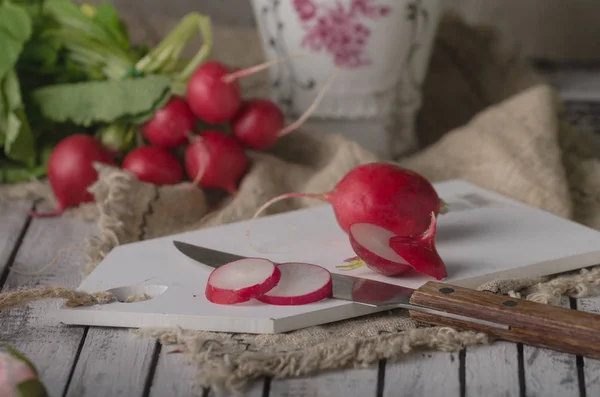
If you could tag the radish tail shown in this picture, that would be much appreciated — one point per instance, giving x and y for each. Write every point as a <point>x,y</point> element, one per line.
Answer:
<point>273,201</point>
<point>444,207</point>
<point>312,107</point>
<point>52,214</point>
<point>229,78</point>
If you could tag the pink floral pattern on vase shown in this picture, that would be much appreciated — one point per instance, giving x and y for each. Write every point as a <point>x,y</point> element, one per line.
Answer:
<point>337,29</point>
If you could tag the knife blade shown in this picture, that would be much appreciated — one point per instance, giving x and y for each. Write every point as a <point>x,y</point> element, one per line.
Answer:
<point>349,288</point>
<point>434,303</point>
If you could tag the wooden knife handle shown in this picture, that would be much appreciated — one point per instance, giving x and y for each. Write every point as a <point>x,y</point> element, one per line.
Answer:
<point>536,324</point>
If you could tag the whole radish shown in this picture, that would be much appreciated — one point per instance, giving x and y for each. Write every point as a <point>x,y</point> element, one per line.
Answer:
<point>154,165</point>
<point>71,170</point>
<point>216,160</point>
<point>258,124</point>
<point>212,98</point>
<point>382,194</point>
<point>171,125</point>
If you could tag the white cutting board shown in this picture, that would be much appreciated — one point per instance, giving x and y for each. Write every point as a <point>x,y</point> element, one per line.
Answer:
<point>485,236</point>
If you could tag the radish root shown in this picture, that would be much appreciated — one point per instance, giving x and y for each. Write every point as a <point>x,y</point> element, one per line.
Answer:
<point>273,201</point>
<point>203,161</point>
<point>231,77</point>
<point>311,109</point>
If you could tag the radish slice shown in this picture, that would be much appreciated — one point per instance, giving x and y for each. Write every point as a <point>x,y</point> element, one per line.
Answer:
<point>301,284</point>
<point>241,280</point>
<point>371,244</point>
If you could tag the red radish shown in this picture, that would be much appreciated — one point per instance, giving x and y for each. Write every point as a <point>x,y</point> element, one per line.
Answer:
<point>391,255</point>
<point>300,284</point>
<point>420,251</point>
<point>371,244</point>
<point>71,171</point>
<point>258,124</point>
<point>241,280</point>
<point>382,194</point>
<point>154,165</point>
<point>210,97</point>
<point>171,125</point>
<point>216,160</point>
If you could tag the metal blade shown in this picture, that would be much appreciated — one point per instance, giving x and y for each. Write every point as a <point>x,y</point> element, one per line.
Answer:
<point>207,256</point>
<point>370,292</point>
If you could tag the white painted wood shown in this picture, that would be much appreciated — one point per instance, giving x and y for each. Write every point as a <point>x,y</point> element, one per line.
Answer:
<point>347,383</point>
<point>113,363</point>
<point>550,373</point>
<point>591,369</point>
<point>13,216</point>
<point>34,328</point>
<point>492,370</point>
<point>423,374</point>
<point>485,236</point>
<point>253,390</point>
<point>174,376</point>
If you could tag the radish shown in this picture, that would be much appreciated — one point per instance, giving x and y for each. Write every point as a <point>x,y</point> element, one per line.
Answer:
<point>258,124</point>
<point>242,280</point>
<point>216,160</point>
<point>382,194</point>
<point>211,98</point>
<point>371,244</point>
<point>71,171</point>
<point>154,165</point>
<point>171,125</point>
<point>391,255</point>
<point>300,284</point>
<point>420,251</point>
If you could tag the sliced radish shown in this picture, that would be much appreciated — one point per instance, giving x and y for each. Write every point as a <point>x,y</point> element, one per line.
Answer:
<point>300,284</point>
<point>420,251</point>
<point>371,244</point>
<point>241,280</point>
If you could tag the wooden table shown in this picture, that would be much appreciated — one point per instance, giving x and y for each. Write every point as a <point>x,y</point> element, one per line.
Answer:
<point>79,361</point>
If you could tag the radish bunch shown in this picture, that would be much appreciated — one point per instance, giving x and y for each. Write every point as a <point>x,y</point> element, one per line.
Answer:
<point>172,146</point>
<point>261,279</point>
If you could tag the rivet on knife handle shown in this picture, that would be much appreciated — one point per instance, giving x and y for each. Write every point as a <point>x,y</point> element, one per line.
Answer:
<point>536,324</point>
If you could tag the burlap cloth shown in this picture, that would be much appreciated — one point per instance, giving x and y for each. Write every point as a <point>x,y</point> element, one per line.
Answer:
<point>487,117</point>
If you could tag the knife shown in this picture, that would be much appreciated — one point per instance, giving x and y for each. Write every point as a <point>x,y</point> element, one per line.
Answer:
<point>434,303</point>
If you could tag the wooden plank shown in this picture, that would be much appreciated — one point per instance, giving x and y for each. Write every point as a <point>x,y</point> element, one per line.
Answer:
<point>174,376</point>
<point>114,362</point>
<point>256,389</point>
<point>492,370</point>
<point>591,368</point>
<point>33,328</point>
<point>550,373</point>
<point>13,218</point>
<point>351,382</point>
<point>414,376</point>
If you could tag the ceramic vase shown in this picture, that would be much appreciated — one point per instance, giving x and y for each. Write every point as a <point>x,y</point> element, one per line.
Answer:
<point>381,48</point>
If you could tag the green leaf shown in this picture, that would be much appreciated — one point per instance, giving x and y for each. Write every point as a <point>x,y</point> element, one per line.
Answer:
<point>142,117</point>
<point>32,388</point>
<point>107,16</point>
<point>106,101</point>
<point>19,142</point>
<point>15,30</point>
